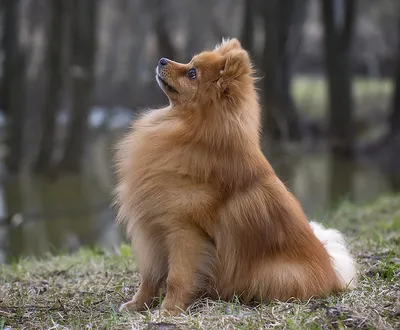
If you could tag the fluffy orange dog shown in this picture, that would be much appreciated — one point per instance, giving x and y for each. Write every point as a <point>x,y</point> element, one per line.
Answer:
<point>203,207</point>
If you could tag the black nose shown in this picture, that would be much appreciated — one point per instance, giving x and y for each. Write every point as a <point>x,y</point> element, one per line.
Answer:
<point>163,61</point>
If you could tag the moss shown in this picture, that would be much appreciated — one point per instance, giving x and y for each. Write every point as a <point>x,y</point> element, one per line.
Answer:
<point>84,290</point>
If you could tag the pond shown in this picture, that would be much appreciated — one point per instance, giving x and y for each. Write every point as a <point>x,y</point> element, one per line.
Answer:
<point>43,216</point>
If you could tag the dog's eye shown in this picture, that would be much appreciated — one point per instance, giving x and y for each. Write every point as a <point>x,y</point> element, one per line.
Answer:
<point>192,73</point>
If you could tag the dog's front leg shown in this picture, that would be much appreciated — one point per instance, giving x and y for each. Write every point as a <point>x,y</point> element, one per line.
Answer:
<point>153,266</point>
<point>185,248</point>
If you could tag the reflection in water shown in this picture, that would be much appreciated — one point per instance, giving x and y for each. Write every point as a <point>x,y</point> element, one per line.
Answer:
<point>395,181</point>
<point>73,211</point>
<point>342,188</point>
<point>60,216</point>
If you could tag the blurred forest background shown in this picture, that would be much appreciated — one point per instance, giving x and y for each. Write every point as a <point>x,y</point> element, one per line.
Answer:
<point>74,73</point>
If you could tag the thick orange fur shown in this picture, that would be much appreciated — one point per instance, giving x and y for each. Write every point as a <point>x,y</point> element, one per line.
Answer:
<point>202,205</point>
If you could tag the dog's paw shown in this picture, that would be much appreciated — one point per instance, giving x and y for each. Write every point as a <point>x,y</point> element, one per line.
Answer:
<point>130,306</point>
<point>168,309</point>
<point>170,312</point>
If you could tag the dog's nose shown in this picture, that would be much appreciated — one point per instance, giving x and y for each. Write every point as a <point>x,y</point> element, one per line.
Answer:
<point>163,61</point>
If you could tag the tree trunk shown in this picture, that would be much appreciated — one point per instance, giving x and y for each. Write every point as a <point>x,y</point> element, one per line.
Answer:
<point>16,107</point>
<point>165,46</point>
<point>395,115</point>
<point>338,19</point>
<point>13,84</point>
<point>83,49</point>
<point>164,42</point>
<point>395,112</point>
<point>54,54</point>
<point>247,36</point>
<point>10,49</point>
<point>280,119</point>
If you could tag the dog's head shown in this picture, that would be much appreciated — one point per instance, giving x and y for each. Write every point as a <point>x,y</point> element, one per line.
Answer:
<point>210,75</point>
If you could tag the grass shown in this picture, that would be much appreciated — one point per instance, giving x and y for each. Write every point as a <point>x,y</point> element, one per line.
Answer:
<point>84,290</point>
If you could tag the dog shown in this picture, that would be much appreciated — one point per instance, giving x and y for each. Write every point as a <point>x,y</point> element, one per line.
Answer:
<point>202,206</point>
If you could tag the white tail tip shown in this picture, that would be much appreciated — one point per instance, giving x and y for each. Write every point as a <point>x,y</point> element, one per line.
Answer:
<point>343,262</point>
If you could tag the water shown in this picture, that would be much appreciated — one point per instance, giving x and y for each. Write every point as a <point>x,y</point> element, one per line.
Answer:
<point>60,216</point>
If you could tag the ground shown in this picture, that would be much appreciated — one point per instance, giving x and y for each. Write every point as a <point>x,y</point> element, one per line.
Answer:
<point>84,290</point>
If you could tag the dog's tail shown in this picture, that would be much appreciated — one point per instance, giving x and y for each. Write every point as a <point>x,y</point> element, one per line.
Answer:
<point>343,262</point>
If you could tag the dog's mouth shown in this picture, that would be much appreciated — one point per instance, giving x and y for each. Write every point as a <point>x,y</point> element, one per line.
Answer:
<point>161,81</point>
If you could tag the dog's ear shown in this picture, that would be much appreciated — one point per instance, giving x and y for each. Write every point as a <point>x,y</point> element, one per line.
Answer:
<point>228,45</point>
<point>236,64</point>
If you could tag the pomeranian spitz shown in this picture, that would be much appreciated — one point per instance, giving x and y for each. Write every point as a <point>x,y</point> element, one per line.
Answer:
<point>204,210</point>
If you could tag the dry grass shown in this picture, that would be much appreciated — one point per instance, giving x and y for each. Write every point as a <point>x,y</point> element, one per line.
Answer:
<point>84,290</point>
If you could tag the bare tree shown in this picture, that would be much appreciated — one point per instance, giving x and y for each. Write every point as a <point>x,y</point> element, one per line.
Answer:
<point>13,83</point>
<point>164,41</point>
<point>338,20</point>
<point>10,48</point>
<point>83,49</point>
<point>280,118</point>
<point>394,119</point>
<point>16,108</point>
<point>199,23</point>
<point>247,36</point>
<point>395,114</point>
<point>54,55</point>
